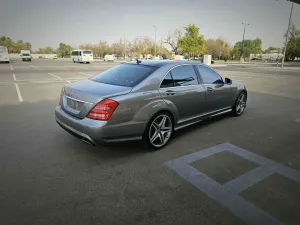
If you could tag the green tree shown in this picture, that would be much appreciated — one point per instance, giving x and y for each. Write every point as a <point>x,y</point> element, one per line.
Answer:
<point>218,48</point>
<point>192,43</point>
<point>272,48</point>
<point>249,47</point>
<point>64,50</point>
<point>14,47</point>
<point>293,45</point>
<point>47,50</point>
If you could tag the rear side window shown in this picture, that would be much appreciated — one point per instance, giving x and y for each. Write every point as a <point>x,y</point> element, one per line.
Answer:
<point>124,75</point>
<point>209,76</point>
<point>184,75</point>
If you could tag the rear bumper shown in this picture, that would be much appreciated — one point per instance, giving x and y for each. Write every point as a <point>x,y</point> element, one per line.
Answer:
<point>97,132</point>
<point>85,129</point>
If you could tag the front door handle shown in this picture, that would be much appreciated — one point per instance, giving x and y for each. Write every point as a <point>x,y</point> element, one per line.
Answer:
<point>170,92</point>
<point>209,89</point>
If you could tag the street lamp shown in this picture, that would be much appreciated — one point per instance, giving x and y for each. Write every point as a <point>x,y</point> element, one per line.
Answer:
<point>155,41</point>
<point>287,35</point>
<point>242,50</point>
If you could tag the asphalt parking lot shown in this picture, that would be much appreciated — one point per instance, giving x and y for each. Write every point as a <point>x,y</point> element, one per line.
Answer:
<point>227,170</point>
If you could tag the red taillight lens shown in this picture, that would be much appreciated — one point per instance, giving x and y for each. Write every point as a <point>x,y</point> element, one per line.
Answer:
<point>103,110</point>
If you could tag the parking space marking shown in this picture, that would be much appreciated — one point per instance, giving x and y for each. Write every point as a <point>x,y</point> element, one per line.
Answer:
<point>85,74</point>
<point>35,67</point>
<point>227,194</point>
<point>19,93</point>
<point>68,81</point>
<point>11,67</point>
<point>14,76</point>
<point>55,76</point>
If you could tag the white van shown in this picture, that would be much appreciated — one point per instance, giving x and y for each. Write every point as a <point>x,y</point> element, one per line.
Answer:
<point>82,56</point>
<point>109,58</point>
<point>4,54</point>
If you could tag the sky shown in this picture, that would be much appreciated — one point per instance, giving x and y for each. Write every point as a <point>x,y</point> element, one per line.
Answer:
<point>49,22</point>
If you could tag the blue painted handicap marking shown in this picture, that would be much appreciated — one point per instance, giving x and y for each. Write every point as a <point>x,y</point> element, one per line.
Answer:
<point>227,194</point>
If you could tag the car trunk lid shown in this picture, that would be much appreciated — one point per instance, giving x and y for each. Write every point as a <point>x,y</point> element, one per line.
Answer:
<point>80,97</point>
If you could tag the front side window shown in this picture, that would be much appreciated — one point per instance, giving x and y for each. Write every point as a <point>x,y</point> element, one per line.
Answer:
<point>184,76</point>
<point>209,76</point>
<point>167,82</point>
<point>124,75</point>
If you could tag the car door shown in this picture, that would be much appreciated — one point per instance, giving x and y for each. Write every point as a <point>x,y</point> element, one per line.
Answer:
<point>218,94</point>
<point>181,88</point>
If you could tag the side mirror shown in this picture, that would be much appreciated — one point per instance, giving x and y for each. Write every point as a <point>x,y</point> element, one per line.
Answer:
<point>228,81</point>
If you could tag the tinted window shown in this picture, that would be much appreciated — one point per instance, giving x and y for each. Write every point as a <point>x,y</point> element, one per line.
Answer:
<point>184,75</point>
<point>87,52</point>
<point>168,81</point>
<point>124,75</point>
<point>209,76</point>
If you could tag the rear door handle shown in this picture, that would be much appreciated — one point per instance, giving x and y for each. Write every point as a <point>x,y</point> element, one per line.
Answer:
<point>209,89</point>
<point>169,92</point>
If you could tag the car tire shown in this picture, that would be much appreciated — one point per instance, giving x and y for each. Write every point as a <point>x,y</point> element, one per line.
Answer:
<point>240,104</point>
<point>158,131</point>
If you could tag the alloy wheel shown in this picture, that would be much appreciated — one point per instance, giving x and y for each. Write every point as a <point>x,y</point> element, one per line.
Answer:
<point>241,104</point>
<point>160,130</point>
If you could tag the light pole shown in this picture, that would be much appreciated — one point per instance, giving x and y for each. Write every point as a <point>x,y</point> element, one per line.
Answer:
<point>242,50</point>
<point>287,35</point>
<point>155,41</point>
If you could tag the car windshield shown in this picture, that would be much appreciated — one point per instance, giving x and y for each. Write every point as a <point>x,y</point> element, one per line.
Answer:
<point>124,75</point>
<point>87,52</point>
<point>25,54</point>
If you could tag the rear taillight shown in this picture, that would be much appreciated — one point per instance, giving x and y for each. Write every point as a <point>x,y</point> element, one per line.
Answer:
<point>103,110</point>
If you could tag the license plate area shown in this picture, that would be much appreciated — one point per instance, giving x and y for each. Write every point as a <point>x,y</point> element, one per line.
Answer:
<point>73,104</point>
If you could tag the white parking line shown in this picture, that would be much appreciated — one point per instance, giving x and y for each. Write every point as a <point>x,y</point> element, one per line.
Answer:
<point>11,67</point>
<point>36,67</point>
<point>14,76</point>
<point>19,93</point>
<point>55,76</point>
<point>85,74</point>
<point>68,81</point>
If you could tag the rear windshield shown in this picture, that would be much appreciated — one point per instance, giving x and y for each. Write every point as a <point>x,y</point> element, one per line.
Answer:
<point>87,52</point>
<point>124,75</point>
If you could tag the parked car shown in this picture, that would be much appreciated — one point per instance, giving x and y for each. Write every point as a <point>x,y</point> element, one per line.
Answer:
<point>109,58</point>
<point>146,100</point>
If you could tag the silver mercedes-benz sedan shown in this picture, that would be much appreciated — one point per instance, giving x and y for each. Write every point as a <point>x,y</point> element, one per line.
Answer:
<point>146,100</point>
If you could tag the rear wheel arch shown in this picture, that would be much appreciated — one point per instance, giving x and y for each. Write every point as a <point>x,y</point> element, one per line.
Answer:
<point>148,126</point>
<point>161,112</point>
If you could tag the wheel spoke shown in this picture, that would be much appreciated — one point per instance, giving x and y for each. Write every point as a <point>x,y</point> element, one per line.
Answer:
<point>155,125</point>
<point>154,137</point>
<point>238,107</point>
<point>163,121</point>
<point>162,138</point>
<point>169,128</point>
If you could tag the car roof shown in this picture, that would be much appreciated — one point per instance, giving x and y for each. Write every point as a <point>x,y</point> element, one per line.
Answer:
<point>160,63</point>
